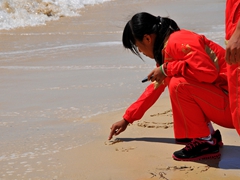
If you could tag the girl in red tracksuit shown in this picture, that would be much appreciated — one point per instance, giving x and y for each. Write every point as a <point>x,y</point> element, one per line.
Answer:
<point>194,69</point>
<point>233,58</point>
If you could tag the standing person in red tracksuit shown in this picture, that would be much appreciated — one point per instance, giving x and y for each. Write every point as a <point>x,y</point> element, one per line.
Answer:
<point>194,69</point>
<point>233,58</point>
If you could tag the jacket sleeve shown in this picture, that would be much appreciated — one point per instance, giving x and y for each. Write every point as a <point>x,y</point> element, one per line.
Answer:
<point>144,102</point>
<point>196,61</point>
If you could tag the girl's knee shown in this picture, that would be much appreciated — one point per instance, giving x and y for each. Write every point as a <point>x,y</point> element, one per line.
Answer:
<point>175,83</point>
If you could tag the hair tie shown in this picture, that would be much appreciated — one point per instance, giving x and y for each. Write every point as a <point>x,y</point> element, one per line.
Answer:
<point>159,20</point>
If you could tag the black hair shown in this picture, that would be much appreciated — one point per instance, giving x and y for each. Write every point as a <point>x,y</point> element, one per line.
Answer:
<point>145,23</point>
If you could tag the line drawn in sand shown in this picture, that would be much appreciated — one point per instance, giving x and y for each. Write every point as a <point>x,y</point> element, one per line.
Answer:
<point>146,124</point>
<point>119,149</point>
<point>167,113</point>
<point>165,125</point>
<point>162,172</point>
<point>113,142</point>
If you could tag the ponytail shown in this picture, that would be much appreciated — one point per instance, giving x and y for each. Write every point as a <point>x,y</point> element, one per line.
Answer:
<point>145,23</point>
<point>166,26</point>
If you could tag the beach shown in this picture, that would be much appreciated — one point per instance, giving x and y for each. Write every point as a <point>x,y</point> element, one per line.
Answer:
<point>65,83</point>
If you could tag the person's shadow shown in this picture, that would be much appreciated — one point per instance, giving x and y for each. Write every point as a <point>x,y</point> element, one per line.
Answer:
<point>230,155</point>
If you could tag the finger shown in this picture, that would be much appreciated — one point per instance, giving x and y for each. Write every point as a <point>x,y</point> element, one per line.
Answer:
<point>233,58</point>
<point>227,54</point>
<point>110,136</point>
<point>238,56</point>
<point>153,79</point>
<point>150,76</point>
<point>111,133</point>
<point>117,132</point>
<point>157,80</point>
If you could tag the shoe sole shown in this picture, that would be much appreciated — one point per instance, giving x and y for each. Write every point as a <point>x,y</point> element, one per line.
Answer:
<point>206,156</point>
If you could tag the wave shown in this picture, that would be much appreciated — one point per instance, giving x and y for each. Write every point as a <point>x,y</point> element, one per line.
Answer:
<point>61,68</point>
<point>66,47</point>
<point>22,13</point>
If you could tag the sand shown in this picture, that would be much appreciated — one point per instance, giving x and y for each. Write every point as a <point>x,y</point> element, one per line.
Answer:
<point>49,148</point>
<point>143,152</point>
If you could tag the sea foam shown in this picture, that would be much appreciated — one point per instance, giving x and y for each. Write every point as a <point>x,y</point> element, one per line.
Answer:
<point>22,13</point>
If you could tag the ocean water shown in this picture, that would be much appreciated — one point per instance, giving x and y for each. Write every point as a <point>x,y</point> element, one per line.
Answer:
<point>22,13</point>
<point>54,77</point>
<point>56,73</point>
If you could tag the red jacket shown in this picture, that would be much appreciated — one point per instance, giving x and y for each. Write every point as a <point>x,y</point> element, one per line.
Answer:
<point>191,56</point>
<point>232,14</point>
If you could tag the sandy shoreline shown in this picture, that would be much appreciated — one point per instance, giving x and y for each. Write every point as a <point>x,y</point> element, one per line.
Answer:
<point>50,146</point>
<point>144,150</point>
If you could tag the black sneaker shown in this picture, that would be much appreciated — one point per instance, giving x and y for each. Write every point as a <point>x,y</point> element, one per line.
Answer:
<point>198,149</point>
<point>216,135</point>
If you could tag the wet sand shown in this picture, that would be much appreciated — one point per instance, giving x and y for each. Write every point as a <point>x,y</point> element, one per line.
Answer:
<point>49,130</point>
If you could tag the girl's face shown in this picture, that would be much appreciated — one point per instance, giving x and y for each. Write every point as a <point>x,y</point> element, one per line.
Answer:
<point>146,45</point>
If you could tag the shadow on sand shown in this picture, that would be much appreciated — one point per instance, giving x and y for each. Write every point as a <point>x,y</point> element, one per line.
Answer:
<point>230,158</point>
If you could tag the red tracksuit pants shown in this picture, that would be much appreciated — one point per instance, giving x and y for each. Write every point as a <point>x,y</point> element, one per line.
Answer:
<point>234,94</point>
<point>194,104</point>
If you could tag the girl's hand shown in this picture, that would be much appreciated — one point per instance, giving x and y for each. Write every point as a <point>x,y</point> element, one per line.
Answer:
<point>156,75</point>
<point>117,128</point>
<point>232,55</point>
